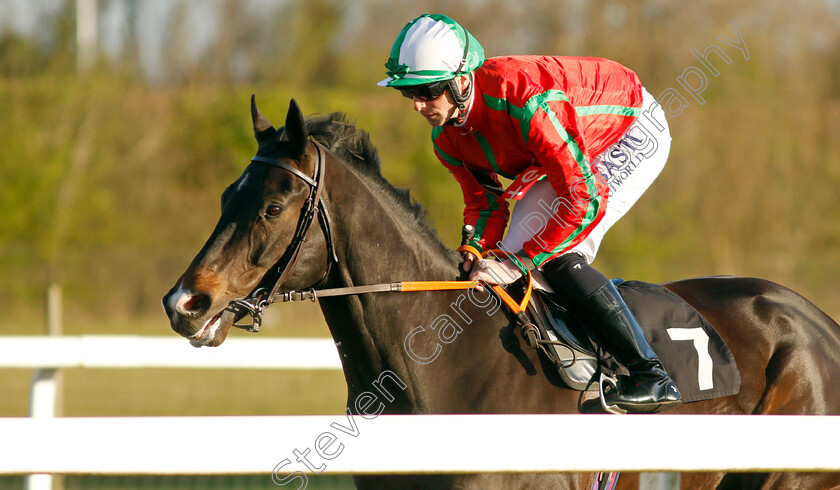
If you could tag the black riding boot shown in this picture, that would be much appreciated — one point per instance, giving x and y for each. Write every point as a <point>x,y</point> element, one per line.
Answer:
<point>648,388</point>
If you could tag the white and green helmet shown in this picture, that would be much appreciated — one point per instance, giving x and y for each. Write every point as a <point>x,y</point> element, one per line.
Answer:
<point>431,48</point>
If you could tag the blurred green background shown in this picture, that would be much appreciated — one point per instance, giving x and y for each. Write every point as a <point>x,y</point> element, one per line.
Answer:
<point>113,156</point>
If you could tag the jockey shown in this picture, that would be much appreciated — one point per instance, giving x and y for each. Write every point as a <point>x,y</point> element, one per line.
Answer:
<point>581,139</point>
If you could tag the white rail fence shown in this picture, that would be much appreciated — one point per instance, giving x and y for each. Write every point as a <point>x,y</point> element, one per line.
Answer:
<point>134,351</point>
<point>47,354</point>
<point>358,444</point>
<point>415,444</point>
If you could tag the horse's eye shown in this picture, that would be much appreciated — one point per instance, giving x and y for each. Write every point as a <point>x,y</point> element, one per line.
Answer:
<point>273,211</point>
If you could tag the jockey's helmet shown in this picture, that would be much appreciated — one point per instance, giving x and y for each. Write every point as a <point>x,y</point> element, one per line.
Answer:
<point>431,48</point>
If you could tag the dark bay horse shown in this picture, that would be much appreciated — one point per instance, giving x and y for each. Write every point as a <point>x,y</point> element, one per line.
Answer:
<point>455,351</point>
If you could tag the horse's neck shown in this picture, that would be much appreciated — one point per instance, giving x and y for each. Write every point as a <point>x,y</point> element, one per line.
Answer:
<point>449,350</point>
<point>376,243</point>
<point>384,243</point>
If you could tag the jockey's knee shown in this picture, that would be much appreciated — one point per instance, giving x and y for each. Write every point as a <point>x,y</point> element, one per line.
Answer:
<point>572,276</point>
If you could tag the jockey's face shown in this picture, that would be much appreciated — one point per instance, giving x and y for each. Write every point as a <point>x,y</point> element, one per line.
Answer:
<point>441,110</point>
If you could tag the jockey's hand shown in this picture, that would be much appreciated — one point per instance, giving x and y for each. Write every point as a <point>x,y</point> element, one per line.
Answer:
<point>492,272</point>
<point>467,264</point>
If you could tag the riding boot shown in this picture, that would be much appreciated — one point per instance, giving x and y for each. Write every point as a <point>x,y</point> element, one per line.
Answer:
<point>648,388</point>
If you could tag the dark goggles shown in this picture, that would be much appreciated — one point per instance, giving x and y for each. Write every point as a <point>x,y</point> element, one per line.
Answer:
<point>425,92</point>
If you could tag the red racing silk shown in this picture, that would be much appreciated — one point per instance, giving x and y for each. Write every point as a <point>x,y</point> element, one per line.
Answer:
<point>534,116</point>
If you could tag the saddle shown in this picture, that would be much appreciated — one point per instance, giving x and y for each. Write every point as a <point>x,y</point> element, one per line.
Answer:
<point>689,347</point>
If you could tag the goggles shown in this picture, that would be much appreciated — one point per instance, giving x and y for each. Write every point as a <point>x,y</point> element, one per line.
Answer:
<point>426,92</point>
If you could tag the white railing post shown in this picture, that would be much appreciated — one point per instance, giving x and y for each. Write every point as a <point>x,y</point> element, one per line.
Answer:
<point>42,406</point>
<point>659,481</point>
<point>44,395</point>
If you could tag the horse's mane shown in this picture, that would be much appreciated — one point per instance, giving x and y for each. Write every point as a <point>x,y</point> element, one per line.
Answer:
<point>353,145</point>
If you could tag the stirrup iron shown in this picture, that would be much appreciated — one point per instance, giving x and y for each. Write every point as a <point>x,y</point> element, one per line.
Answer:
<point>608,408</point>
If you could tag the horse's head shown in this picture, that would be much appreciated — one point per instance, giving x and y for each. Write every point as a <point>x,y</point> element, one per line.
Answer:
<point>261,230</point>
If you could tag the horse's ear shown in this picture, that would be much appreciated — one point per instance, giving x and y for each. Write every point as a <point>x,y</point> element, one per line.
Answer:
<point>263,129</point>
<point>296,130</point>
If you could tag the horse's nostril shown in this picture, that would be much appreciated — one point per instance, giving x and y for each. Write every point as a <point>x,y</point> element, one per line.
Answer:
<point>193,304</point>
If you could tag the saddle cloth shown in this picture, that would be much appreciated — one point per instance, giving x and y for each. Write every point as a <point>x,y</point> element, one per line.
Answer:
<point>692,352</point>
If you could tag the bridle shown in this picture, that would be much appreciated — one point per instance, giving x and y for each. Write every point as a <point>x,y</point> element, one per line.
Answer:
<point>260,298</point>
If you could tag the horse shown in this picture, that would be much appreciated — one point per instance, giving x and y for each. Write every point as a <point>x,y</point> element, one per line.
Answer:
<point>455,352</point>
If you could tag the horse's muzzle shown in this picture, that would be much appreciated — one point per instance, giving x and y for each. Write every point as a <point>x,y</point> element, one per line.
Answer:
<point>189,316</point>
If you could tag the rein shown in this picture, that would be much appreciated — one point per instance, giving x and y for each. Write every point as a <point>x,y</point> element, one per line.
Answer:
<point>387,287</point>
<point>411,286</point>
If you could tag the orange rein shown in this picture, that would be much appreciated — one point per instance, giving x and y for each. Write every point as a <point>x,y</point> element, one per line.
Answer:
<point>406,286</point>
